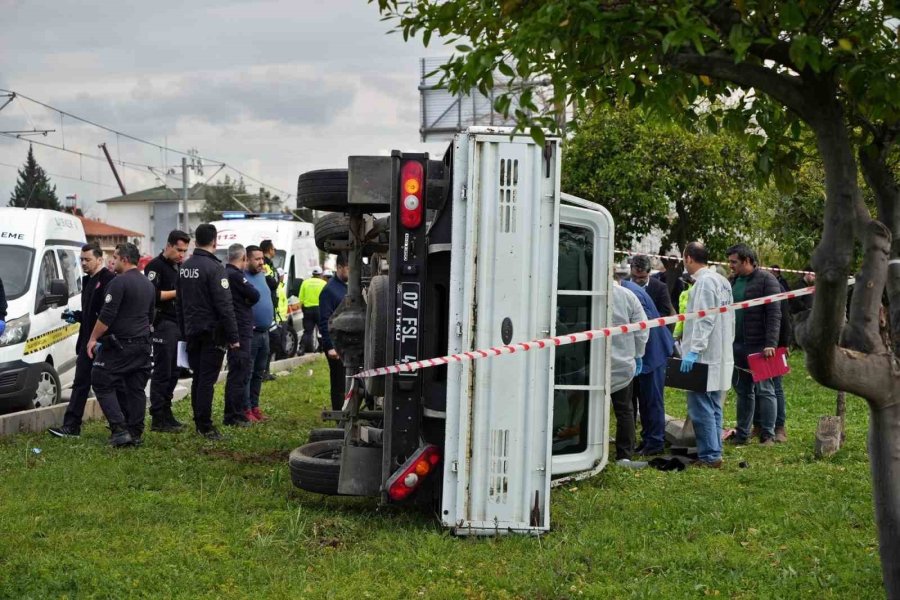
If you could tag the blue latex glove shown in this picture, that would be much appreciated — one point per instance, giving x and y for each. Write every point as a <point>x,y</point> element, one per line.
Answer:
<point>687,363</point>
<point>2,326</point>
<point>638,365</point>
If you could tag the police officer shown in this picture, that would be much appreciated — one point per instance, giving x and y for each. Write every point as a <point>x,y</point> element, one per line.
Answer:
<point>244,295</point>
<point>162,272</point>
<point>120,348</point>
<point>206,318</point>
<point>309,304</point>
<point>93,291</point>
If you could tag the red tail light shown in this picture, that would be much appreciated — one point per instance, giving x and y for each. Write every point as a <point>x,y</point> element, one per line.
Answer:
<point>412,208</point>
<point>408,478</point>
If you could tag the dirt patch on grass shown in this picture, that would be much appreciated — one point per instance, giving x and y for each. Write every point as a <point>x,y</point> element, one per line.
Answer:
<point>267,457</point>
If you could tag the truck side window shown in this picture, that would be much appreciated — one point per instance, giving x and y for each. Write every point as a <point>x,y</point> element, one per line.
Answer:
<point>68,261</point>
<point>47,274</point>
<point>575,298</point>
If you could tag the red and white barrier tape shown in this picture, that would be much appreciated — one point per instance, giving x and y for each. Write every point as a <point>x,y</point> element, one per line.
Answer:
<point>583,336</point>
<point>712,262</point>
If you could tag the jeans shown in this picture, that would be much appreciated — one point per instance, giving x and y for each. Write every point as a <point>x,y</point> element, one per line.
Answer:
<point>259,359</point>
<point>622,408</point>
<point>649,389</point>
<point>780,415</point>
<point>705,411</point>
<point>753,398</point>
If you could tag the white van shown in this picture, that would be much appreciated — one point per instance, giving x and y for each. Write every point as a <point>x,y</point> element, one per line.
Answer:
<point>40,267</point>
<point>295,246</point>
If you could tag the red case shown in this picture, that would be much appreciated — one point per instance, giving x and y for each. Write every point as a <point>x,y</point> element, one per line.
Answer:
<point>763,368</point>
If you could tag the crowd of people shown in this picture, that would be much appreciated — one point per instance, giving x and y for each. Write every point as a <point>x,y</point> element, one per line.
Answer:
<point>721,342</point>
<point>133,326</point>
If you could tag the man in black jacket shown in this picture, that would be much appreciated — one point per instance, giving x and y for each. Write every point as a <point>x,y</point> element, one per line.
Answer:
<point>206,319</point>
<point>656,289</point>
<point>756,330</point>
<point>244,296</point>
<point>93,291</point>
<point>162,272</point>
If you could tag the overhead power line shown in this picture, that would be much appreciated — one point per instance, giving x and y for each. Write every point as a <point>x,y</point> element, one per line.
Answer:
<point>59,176</point>
<point>141,141</point>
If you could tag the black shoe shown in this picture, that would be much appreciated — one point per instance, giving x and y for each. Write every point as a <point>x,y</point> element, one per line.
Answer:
<point>64,432</point>
<point>269,377</point>
<point>237,423</point>
<point>164,426</point>
<point>736,441</point>
<point>175,422</point>
<point>650,451</point>
<point>211,434</point>
<point>120,439</point>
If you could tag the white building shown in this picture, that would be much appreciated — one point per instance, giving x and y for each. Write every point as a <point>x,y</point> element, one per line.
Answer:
<point>153,213</point>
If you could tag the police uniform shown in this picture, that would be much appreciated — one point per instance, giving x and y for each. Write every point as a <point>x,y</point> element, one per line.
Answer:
<point>122,364</point>
<point>206,319</point>
<point>310,290</point>
<point>93,292</point>
<point>163,274</point>
<point>244,295</point>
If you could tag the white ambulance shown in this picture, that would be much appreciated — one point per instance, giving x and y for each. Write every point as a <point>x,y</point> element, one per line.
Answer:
<point>40,268</point>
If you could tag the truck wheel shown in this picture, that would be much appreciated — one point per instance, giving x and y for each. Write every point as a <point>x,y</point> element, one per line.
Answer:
<point>332,227</point>
<point>376,332</point>
<point>316,467</point>
<point>326,433</point>
<point>48,389</point>
<point>325,189</point>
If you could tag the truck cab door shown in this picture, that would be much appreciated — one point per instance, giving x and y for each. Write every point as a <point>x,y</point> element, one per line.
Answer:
<point>580,391</point>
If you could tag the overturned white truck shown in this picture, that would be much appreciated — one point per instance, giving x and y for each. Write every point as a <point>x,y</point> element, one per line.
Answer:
<point>479,249</point>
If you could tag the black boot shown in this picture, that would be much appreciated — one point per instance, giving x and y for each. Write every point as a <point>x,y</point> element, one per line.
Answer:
<point>120,437</point>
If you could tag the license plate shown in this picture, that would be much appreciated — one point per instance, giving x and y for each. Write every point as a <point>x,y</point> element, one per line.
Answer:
<point>406,324</point>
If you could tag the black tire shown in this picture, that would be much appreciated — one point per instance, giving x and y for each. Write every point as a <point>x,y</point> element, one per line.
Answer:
<point>49,389</point>
<point>375,343</point>
<point>332,227</point>
<point>325,189</point>
<point>316,467</point>
<point>326,433</point>
<point>291,341</point>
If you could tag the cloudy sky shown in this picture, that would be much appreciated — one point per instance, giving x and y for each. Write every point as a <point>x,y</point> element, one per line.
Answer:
<point>273,88</point>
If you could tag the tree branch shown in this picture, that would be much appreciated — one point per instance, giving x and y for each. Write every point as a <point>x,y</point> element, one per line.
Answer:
<point>782,87</point>
<point>863,330</point>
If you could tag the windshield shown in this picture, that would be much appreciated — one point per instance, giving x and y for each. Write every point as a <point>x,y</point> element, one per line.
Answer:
<point>15,269</point>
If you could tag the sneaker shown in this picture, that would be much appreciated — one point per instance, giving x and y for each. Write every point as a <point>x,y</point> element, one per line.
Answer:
<point>64,432</point>
<point>251,416</point>
<point>780,435</point>
<point>120,439</point>
<point>237,423</point>
<point>260,415</point>
<point>211,434</point>
<point>709,464</point>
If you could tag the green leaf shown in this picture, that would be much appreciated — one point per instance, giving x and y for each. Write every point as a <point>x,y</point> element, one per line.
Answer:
<point>464,48</point>
<point>506,69</point>
<point>537,134</point>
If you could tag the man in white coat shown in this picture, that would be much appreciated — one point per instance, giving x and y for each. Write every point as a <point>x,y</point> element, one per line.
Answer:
<point>709,342</point>
<point>625,362</point>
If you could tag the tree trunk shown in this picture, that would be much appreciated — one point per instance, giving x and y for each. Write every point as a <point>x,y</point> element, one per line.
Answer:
<point>884,456</point>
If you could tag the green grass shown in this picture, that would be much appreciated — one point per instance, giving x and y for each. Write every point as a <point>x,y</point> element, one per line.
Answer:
<point>183,518</point>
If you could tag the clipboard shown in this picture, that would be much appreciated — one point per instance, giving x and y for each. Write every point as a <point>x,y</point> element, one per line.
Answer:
<point>762,368</point>
<point>693,381</point>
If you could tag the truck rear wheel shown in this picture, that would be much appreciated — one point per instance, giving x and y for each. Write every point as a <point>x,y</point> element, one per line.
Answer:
<point>376,332</point>
<point>315,467</point>
<point>332,227</point>
<point>325,189</point>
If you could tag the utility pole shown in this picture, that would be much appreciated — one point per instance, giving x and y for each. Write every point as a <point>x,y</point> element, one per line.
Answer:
<point>186,227</point>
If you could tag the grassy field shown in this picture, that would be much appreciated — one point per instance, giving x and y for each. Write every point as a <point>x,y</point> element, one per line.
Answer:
<point>184,518</point>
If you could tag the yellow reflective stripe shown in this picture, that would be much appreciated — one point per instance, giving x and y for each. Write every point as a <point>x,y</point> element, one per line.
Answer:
<point>45,340</point>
